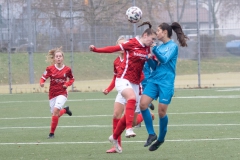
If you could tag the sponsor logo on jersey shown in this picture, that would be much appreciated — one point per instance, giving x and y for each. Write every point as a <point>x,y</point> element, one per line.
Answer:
<point>139,55</point>
<point>59,80</point>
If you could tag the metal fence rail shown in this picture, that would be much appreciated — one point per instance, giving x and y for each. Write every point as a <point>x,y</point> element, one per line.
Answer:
<point>36,26</point>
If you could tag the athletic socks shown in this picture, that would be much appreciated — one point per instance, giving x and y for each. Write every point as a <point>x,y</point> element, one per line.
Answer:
<point>129,112</point>
<point>62,111</point>
<point>120,127</point>
<point>139,118</point>
<point>54,123</point>
<point>115,122</point>
<point>147,117</point>
<point>163,122</point>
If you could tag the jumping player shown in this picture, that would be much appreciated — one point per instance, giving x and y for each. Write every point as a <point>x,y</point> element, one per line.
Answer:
<point>161,82</point>
<point>128,77</point>
<point>120,100</point>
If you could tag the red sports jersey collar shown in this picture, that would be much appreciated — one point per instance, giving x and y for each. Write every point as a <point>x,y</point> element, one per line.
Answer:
<point>59,68</point>
<point>121,59</point>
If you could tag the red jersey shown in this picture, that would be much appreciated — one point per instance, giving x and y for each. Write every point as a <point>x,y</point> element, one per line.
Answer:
<point>134,58</point>
<point>58,78</point>
<point>116,66</point>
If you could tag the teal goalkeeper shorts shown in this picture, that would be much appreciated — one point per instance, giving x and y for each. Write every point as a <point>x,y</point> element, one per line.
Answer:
<point>161,92</point>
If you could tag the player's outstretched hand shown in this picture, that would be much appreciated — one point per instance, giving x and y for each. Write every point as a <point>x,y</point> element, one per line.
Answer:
<point>105,92</point>
<point>42,85</point>
<point>91,47</point>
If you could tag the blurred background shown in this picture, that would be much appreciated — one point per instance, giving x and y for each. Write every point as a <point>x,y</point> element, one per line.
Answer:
<point>29,28</point>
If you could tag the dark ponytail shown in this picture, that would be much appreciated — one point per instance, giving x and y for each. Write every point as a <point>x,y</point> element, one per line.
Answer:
<point>181,37</point>
<point>149,30</point>
<point>144,23</point>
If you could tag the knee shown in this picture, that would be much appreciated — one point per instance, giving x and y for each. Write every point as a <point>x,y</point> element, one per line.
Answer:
<point>118,111</point>
<point>116,115</point>
<point>55,112</point>
<point>161,114</point>
<point>162,110</point>
<point>143,105</point>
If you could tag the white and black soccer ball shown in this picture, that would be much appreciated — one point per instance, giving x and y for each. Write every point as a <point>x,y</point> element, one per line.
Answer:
<point>134,14</point>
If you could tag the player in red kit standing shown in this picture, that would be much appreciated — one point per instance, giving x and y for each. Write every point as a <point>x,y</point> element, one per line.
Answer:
<point>128,77</point>
<point>60,78</point>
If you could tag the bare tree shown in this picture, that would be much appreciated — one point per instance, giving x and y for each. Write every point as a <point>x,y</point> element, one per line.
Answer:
<point>170,9</point>
<point>57,11</point>
<point>179,18</point>
<point>152,9</point>
<point>101,12</point>
<point>214,8</point>
<point>173,6</point>
<point>230,8</point>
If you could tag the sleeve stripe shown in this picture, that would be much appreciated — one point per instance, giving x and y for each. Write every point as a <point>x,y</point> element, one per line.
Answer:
<point>121,47</point>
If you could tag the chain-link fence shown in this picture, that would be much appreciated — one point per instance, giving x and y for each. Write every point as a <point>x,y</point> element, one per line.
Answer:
<point>30,28</point>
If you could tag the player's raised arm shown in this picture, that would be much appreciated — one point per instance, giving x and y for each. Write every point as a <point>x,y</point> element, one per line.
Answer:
<point>108,49</point>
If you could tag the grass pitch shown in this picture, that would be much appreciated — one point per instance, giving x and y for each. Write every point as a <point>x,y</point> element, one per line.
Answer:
<point>203,124</point>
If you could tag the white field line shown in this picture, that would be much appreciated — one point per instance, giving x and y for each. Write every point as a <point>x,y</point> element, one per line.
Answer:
<point>87,116</point>
<point>112,99</point>
<point>70,100</point>
<point>92,116</point>
<point>220,112</point>
<point>109,126</point>
<point>210,97</point>
<point>103,142</point>
<point>229,89</point>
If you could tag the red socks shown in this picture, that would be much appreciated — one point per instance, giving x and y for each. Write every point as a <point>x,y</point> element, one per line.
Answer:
<point>115,122</point>
<point>120,128</point>
<point>139,118</point>
<point>62,111</point>
<point>129,112</point>
<point>54,124</point>
<point>126,121</point>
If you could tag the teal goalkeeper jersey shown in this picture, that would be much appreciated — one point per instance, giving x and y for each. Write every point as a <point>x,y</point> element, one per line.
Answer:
<point>166,68</point>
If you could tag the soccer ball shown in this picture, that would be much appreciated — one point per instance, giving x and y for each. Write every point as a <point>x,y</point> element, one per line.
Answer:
<point>134,14</point>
